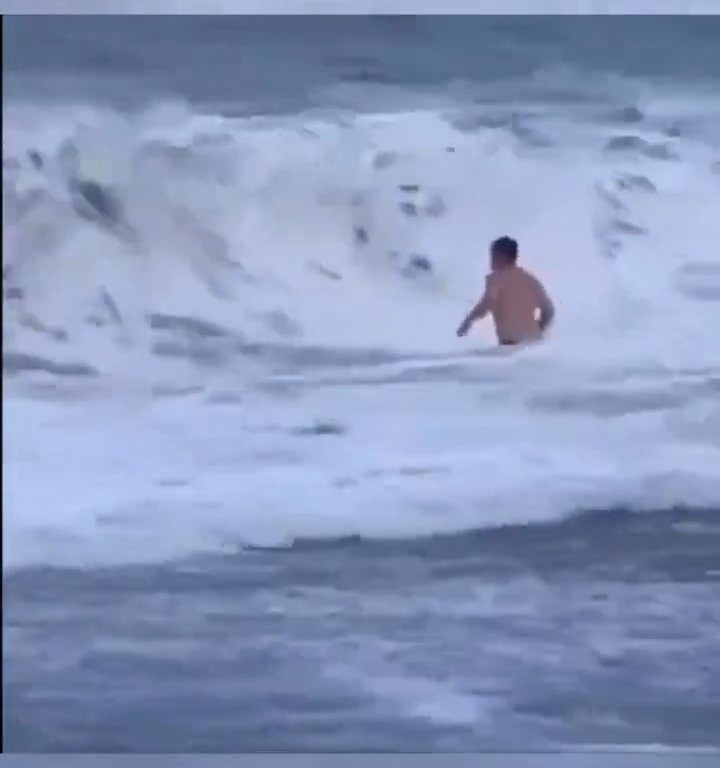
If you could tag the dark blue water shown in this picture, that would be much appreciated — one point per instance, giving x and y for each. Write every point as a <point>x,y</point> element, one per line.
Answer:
<point>598,630</point>
<point>282,62</point>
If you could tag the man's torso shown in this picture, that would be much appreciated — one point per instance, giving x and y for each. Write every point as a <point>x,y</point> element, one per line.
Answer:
<point>516,297</point>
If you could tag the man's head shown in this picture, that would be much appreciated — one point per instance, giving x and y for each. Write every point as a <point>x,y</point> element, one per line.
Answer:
<point>503,253</point>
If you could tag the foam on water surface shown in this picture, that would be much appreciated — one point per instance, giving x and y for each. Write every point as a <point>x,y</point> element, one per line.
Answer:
<point>250,325</point>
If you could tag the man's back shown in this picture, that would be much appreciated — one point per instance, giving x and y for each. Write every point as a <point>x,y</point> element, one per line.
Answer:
<point>519,305</point>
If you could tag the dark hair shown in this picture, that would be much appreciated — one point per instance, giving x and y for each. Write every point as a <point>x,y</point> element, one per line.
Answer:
<point>506,247</point>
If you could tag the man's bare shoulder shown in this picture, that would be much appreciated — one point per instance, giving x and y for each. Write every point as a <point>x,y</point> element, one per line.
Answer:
<point>523,273</point>
<point>515,276</point>
<point>530,279</point>
<point>493,281</point>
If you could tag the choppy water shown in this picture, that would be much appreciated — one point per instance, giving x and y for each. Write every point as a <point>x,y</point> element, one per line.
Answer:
<point>256,494</point>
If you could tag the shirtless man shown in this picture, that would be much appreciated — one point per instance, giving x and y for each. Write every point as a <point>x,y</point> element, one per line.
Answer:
<point>519,304</point>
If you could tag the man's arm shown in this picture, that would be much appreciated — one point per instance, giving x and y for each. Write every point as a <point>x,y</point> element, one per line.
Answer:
<point>547,309</point>
<point>479,310</point>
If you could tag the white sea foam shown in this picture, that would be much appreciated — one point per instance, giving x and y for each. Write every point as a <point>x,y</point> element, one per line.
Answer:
<point>253,263</point>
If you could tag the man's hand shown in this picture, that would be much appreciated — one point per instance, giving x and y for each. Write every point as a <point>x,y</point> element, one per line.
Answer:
<point>464,327</point>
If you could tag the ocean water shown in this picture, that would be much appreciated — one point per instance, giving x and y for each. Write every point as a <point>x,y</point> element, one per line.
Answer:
<point>257,495</point>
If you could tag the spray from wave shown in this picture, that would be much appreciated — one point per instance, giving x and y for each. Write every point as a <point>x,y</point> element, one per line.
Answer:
<point>363,232</point>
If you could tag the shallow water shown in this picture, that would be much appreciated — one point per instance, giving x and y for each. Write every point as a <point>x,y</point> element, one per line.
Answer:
<point>597,630</point>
